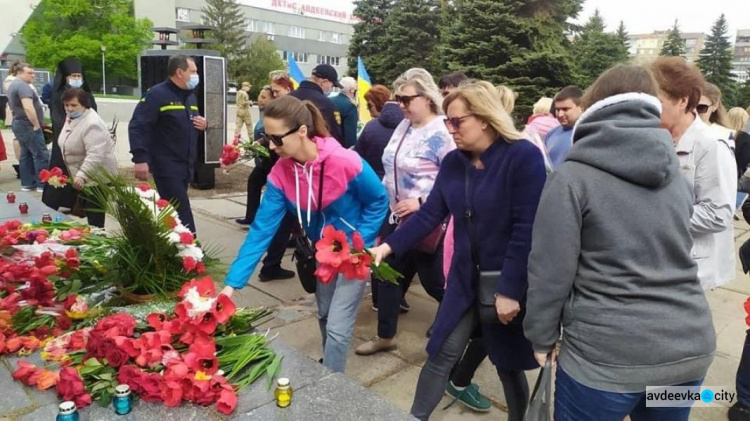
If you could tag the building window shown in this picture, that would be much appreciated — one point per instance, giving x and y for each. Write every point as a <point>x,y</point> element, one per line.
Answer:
<point>337,38</point>
<point>296,32</point>
<point>183,14</point>
<point>249,25</point>
<point>322,36</point>
<point>298,57</point>
<point>333,61</point>
<point>268,28</point>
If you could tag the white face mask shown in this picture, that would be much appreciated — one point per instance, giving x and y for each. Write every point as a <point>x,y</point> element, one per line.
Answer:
<point>75,83</point>
<point>193,82</point>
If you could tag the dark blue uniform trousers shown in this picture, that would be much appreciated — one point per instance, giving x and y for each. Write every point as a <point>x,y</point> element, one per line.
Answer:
<point>174,188</point>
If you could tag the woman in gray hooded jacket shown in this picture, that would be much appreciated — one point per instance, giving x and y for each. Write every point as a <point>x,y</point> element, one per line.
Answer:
<point>611,264</point>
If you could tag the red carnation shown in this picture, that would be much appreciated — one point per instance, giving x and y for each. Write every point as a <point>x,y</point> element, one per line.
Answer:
<point>120,324</point>
<point>189,264</point>
<point>187,238</point>
<point>151,387</point>
<point>70,387</point>
<point>162,203</point>
<point>143,187</point>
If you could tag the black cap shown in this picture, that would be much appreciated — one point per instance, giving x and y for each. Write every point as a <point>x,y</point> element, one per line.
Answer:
<point>326,71</point>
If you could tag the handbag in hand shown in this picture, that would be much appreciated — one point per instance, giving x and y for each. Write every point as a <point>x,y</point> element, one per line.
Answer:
<point>486,280</point>
<point>540,406</point>
<point>431,242</point>
<point>304,249</point>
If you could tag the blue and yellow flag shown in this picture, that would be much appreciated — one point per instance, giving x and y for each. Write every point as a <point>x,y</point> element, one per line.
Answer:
<point>295,73</point>
<point>363,86</point>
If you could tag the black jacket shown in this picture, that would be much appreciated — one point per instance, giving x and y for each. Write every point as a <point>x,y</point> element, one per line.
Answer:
<point>311,92</point>
<point>742,152</point>
<point>161,131</point>
<point>376,135</point>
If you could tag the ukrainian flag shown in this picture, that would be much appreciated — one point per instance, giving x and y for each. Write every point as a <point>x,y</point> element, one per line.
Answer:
<point>363,86</point>
<point>295,73</point>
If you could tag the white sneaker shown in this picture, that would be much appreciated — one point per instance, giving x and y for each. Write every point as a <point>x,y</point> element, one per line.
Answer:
<point>40,189</point>
<point>26,188</point>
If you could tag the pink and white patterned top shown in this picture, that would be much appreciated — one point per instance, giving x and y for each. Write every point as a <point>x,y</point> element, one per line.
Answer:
<point>419,159</point>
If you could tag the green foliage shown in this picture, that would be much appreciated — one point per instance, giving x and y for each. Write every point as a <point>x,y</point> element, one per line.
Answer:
<point>622,36</point>
<point>369,36</point>
<point>412,34</point>
<point>519,43</point>
<point>229,30</point>
<point>716,60</point>
<point>59,29</point>
<point>256,63</point>
<point>596,51</point>
<point>674,45</point>
<point>743,94</point>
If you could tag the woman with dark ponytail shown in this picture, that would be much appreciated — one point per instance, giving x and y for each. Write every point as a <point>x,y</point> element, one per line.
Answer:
<point>352,199</point>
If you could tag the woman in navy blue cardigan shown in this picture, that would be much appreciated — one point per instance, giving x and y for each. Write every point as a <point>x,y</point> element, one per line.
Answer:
<point>506,176</point>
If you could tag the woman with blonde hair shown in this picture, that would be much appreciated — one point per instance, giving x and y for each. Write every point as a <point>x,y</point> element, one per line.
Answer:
<point>491,187</point>
<point>737,120</point>
<point>711,110</point>
<point>542,121</point>
<point>411,161</point>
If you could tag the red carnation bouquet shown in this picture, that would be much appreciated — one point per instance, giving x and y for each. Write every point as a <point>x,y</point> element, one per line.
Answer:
<point>335,255</point>
<point>241,151</point>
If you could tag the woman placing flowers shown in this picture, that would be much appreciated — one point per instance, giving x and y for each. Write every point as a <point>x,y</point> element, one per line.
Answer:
<point>353,199</point>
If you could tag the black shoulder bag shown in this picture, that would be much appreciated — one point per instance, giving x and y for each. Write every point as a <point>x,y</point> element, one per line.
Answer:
<point>485,280</point>
<point>304,249</point>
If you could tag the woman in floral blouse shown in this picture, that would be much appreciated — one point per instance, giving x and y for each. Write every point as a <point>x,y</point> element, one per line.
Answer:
<point>411,161</point>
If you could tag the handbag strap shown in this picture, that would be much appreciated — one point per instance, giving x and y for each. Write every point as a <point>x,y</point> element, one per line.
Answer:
<point>320,195</point>
<point>395,160</point>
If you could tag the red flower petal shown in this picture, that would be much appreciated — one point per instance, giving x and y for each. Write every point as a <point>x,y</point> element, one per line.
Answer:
<point>162,203</point>
<point>187,238</point>
<point>227,402</point>
<point>143,187</point>
<point>358,242</point>
<point>326,273</point>
<point>224,308</point>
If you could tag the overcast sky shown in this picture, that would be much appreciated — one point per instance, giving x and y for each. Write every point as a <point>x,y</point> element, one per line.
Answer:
<point>646,16</point>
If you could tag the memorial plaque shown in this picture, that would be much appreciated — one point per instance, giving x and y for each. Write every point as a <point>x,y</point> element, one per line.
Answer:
<point>215,111</point>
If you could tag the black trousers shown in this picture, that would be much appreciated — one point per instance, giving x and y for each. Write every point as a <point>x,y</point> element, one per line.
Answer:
<point>277,248</point>
<point>91,206</point>
<point>171,188</point>
<point>3,103</point>
<point>255,183</point>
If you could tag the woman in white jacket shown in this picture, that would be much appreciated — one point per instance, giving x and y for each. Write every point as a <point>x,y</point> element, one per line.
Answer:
<point>708,165</point>
<point>86,145</point>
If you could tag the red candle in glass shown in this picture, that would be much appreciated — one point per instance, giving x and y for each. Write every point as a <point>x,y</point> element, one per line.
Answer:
<point>24,208</point>
<point>11,197</point>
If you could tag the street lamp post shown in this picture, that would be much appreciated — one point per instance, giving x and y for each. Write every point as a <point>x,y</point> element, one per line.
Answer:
<point>104,72</point>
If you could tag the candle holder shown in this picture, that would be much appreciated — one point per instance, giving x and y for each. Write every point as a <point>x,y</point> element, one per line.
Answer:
<point>24,208</point>
<point>11,196</point>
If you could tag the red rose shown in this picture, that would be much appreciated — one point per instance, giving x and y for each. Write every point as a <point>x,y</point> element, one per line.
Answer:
<point>78,340</point>
<point>70,387</point>
<point>96,346</point>
<point>116,357</point>
<point>151,388</point>
<point>120,324</point>
<point>131,376</point>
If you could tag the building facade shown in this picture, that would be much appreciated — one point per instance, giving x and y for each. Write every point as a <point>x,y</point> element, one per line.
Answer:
<point>644,48</point>
<point>741,63</point>
<point>307,30</point>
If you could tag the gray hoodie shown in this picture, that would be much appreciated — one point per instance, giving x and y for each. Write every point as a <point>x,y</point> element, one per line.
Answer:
<point>610,259</point>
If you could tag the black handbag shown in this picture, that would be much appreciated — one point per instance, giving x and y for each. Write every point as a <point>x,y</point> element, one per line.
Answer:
<point>304,249</point>
<point>486,280</point>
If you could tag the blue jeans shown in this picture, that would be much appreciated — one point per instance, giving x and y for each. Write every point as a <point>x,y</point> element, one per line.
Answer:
<point>576,402</point>
<point>338,302</point>
<point>34,154</point>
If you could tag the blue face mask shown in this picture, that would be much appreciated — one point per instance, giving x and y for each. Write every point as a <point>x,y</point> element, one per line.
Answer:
<point>74,114</point>
<point>193,82</point>
<point>75,83</point>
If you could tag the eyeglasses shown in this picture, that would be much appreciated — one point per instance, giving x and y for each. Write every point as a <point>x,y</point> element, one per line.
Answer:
<point>278,140</point>
<point>406,99</point>
<point>455,122</point>
<point>702,108</point>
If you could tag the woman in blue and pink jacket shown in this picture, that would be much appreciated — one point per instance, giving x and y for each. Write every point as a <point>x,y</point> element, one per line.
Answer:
<point>353,200</point>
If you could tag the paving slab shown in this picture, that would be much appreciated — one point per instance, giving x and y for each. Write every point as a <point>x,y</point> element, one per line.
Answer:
<point>334,397</point>
<point>221,208</point>
<point>13,398</point>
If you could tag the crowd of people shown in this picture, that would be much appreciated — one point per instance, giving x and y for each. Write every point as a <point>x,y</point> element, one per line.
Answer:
<point>562,239</point>
<point>556,239</point>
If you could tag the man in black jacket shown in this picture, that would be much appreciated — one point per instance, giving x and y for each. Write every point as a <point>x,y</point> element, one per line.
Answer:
<point>324,78</point>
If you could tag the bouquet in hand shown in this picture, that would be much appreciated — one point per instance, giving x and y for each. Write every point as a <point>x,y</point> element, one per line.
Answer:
<point>240,151</point>
<point>335,256</point>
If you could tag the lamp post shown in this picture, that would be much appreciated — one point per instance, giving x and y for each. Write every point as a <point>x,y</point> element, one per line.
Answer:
<point>104,72</point>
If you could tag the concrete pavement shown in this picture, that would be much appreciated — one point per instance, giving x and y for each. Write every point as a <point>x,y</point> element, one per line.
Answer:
<point>394,375</point>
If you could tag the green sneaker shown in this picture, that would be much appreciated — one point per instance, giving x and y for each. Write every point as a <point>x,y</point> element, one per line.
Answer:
<point>469,397</point>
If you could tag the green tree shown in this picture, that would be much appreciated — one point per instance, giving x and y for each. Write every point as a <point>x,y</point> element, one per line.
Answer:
<point>519,43</point>
<point>715,59</point>
<point>59,29</point>
<point>596,51</point>
<point>412,33</point>
<point>743,93</point>
<point>368,40</point>
<point>622,36</point>
<point>229,31</point>
<point>674,45</point>
<point>257,62</point>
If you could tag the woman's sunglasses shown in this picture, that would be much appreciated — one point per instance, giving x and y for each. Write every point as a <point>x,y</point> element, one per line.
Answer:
<point>702,108</point>
<point>278,140</point>
<point>455,122</point>
<point>406,99</point>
